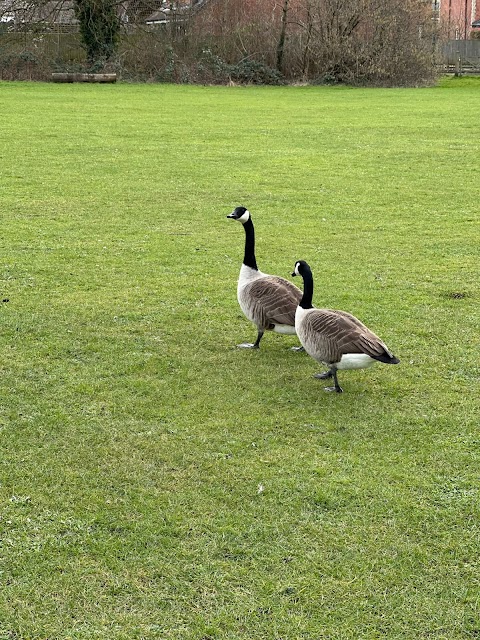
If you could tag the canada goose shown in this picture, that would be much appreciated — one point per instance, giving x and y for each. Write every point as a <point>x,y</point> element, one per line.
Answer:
<point>267,301</point>
<point>335,338</point>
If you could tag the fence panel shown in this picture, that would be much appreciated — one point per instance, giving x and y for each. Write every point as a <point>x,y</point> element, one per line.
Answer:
<point>465,53</point>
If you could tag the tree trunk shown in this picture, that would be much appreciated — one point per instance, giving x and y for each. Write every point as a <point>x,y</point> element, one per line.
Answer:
<point>306,49</point>
<point>281,40</point>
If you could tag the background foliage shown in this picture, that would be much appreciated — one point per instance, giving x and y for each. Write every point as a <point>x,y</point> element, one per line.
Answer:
<point>393,42</point>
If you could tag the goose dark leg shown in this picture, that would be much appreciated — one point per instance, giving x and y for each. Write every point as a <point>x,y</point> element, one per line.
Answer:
<point>337,387</point>
<point>255,345</point>
<point>259,337</point>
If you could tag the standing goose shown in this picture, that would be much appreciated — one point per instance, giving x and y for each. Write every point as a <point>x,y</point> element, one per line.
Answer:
<point>335,338</point>
<point>269,302</point>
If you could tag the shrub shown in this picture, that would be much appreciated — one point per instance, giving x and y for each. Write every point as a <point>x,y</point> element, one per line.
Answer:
<point>253,72</point>
<point>100,29</point>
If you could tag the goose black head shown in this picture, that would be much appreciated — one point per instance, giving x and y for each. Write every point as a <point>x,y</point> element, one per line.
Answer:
<point>241,214</point>
<point>301,267</point>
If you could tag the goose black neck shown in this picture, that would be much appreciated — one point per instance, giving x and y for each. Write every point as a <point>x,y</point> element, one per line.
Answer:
<point>249,256</point>
<point>306,301</point>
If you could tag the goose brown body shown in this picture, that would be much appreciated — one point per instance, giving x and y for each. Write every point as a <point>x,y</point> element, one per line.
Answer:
<point>331,336</point>
<point>269,302</point>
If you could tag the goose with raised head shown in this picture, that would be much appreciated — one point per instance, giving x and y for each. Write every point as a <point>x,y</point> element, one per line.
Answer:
<point>335,338</point>
<point>268,301</point>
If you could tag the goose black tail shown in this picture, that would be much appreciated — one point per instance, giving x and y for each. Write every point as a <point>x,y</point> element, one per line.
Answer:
<point>387,358</point>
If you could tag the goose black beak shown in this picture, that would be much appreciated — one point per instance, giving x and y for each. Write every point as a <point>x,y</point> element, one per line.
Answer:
<point>231,215</point>
<point>294,274</point>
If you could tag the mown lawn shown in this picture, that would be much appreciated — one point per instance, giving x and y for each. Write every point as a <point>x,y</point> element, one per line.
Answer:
<point>157,482</point>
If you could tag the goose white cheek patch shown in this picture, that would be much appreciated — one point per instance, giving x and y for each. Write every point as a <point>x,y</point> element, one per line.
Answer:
<point>244,217</point>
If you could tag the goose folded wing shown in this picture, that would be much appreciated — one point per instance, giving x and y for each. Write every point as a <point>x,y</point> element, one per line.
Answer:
<point>345,334</point>
<point>370,343</point>
<point>278,298</point>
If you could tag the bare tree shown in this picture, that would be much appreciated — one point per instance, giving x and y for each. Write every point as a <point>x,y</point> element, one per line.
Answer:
<point>283,33</point>
<point>364,41</point>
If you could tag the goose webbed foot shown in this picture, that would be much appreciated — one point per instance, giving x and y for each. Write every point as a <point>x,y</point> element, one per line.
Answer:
<point>338,389</point>
<point>255,345</point>
<point>323,376</point>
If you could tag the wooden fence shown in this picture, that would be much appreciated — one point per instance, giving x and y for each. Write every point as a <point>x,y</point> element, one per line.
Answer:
<point>461,56</point>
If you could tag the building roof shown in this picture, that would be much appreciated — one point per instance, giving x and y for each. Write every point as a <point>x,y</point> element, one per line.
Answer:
<point>28,11</point>
<point>61,12</point>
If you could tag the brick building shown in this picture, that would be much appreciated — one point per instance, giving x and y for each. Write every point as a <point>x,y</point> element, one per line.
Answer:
<point>459,18</point>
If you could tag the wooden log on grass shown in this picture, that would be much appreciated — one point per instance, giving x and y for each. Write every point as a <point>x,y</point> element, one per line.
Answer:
<point>84,77</point>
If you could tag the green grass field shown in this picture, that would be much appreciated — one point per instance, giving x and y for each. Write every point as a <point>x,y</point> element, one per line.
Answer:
<point>157,482</point>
